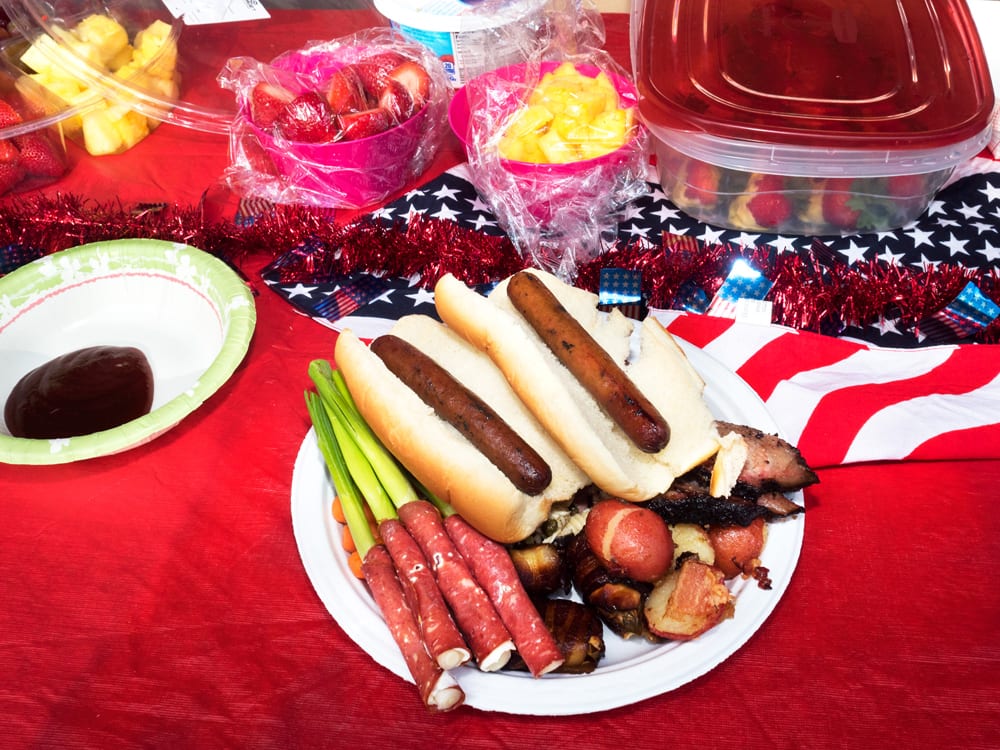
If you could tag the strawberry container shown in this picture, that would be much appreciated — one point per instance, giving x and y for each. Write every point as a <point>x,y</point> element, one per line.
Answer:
<point>340,124</point>
<point>809,117</point>
<point>32,147</point>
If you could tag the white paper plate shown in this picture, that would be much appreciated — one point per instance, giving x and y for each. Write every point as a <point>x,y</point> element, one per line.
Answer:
<point>188,312</point>
<point>631,671</point>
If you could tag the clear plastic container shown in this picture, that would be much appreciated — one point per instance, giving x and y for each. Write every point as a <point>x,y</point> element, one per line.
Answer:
<point>471,38</point>
<point>32,146</point>
<point>809,117</point>
<point>201,48</point>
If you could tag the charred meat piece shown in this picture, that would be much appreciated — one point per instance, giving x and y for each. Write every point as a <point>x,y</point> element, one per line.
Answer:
<point>578,632</point>
<point>703,509</point>
<point>689,501</point>
<point>616,599</point>
<point>772,463</point>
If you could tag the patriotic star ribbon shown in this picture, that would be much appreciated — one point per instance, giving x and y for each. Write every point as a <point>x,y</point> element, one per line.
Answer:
<point>872,394</point>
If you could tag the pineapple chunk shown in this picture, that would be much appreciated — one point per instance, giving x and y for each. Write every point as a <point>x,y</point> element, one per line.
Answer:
<point>155,47</point>
<point>132,126</point>
<point>100,136</point>
<point>99,42</point>
<point>107,38</point>
<point>570,117</point>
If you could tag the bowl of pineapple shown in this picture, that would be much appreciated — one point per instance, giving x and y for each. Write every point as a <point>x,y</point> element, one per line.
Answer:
<point>107,80</point>
<point>562,131</point>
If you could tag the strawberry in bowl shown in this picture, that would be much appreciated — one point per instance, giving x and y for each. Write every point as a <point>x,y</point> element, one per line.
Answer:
<point>343,124</point>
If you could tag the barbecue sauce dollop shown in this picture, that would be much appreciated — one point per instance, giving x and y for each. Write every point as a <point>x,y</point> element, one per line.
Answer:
<point>84,391</point>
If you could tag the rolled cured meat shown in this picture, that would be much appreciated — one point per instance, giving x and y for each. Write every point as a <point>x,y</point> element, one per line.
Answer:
<point>438,689</point>
<point>475,614</point>
<point>491,565</point>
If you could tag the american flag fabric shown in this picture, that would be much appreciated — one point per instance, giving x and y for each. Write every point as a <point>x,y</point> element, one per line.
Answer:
<point>843,401</point>
<point>873,393</point>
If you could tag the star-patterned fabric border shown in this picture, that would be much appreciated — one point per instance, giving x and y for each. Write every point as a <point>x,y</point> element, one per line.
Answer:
<point>960,227</point>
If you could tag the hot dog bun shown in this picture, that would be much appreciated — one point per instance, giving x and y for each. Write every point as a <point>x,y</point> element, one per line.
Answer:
<point>436,453</point>
<point>570,414</point>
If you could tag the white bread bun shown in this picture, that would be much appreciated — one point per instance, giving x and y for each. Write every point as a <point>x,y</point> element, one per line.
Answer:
<point>588,435</point>
<point>436,453</point>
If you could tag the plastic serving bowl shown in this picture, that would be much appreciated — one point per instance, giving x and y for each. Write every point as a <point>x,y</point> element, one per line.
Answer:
<point>841,117</point>
<point>188,312</point>
<point>545,186</point>
<point>353,173</point>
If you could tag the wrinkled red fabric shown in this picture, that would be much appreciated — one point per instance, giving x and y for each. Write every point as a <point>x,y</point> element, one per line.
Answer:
<point>156,598</point>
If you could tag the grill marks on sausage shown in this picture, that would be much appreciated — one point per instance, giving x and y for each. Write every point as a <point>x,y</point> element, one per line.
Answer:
<point>466,412</point>
<point>589,363</point>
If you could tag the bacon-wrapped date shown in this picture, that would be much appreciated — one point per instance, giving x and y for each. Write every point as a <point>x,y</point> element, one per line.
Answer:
<point>541,568</point>
<point>616,599</point>
<point>578,631</point>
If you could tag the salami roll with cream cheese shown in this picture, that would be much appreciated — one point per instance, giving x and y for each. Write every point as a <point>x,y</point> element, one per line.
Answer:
<point>438,689</point>
<point>492,567</point>
<point>474,612</point>
<point>441,635</point>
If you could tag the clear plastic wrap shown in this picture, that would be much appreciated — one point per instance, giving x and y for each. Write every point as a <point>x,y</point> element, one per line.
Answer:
<point>472,38</point>
<point>333,169</point>
<point>559,215</point>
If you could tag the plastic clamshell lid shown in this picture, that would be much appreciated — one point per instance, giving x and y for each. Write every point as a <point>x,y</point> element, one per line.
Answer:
<point>456,15</point>
<point>906,76</point>
<point>202,49</point>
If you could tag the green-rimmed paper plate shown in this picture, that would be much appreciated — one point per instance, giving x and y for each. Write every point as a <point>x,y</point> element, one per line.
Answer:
<point>189,313</point>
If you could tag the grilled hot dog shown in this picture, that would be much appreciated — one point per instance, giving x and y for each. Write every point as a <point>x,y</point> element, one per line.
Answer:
<point>576,349</point>
<point>466,412</point>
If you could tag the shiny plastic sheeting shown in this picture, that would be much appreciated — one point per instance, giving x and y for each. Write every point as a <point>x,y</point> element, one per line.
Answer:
<point>336,173</point>
<point>558,215</point>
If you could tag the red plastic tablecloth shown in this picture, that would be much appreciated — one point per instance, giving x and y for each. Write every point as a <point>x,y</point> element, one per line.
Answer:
<point>156,598</point>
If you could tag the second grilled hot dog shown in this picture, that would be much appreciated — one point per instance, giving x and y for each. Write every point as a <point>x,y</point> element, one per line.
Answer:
<point>592,366</point>
<point>467,412</point>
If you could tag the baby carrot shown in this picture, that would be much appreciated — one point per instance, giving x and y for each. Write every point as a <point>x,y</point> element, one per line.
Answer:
<point>354,563</point>
<point>338,510</point>
<point>348,541</point>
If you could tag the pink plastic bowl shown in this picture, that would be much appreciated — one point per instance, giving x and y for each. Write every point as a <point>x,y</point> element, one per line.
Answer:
<point>347,173</point>
<point>551,183</point>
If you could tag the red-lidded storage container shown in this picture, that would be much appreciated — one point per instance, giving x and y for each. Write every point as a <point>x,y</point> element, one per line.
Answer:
<point>809,116</point>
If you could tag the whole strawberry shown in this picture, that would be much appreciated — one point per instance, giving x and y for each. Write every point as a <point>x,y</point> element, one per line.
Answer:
<point>39,157</point>
<point>769,206</point>
<point>702,183</point>
<point>308,119</point>
<point>266,102</point>
<point>8,115</point>
<point>11,172</point>
<point>841,208</point>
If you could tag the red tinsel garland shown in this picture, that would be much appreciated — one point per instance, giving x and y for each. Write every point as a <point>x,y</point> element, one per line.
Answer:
<point>807,294</point>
